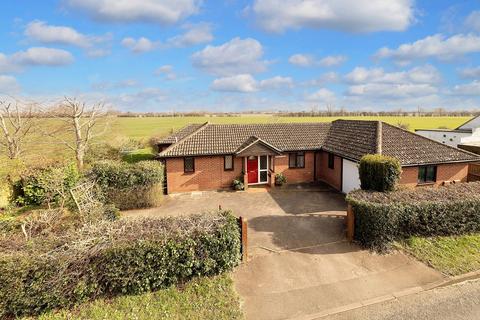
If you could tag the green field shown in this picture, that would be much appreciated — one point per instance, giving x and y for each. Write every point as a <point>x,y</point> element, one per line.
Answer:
<point>139,128</point>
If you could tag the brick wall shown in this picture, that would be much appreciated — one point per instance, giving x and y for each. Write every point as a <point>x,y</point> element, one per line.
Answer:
<point>333,176</point>
<point>445,172</point>
<point>209,174</point>
<point>295,175</point>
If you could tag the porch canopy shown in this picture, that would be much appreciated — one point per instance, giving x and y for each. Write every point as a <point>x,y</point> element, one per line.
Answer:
<point>255,146</point>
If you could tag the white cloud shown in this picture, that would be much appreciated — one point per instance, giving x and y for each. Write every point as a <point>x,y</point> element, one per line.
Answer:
<point>40,31</point>
<point>424,74</point>
<point>8,85</point>
<point>473,21</point>
<point>470,72</point>
<point>41,56</point>
<point>389,91</point>
<point>237,56</point>
<point>154,11</point>
<point>469,89</point>
<point>195,34</point>
<point>139,45</point>
<point>277,82</point>
<point>6,66</point>
<point>247,83</point>
<point>145,95</point>
<point>238,83</point>
<point>332,61</point>
<point>328,77</point>
<point>302,60</point>
<point>345,15</point>
<point>321,95</point>
<point>167,72</point>
<point>437,46</point>
<point>375,83</point>
<point>48,34</point>
<point>306,60</point>
<point>35,56</point>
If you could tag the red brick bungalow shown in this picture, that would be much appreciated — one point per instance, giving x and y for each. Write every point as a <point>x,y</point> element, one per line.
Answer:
<point>209,156</point>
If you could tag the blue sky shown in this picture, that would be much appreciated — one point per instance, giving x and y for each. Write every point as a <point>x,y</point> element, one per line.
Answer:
<point>189,55</point>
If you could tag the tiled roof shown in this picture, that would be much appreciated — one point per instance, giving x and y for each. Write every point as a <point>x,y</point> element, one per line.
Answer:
<point>211,139</point>
<point>412,149</point>
<point>180,134</point>
<point>350,139</point>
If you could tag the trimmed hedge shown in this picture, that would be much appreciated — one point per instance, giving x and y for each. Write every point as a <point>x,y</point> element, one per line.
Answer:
<point>112,258</point>
<point>381,218</point>
<point>378,172</point>
<point>129,186</point>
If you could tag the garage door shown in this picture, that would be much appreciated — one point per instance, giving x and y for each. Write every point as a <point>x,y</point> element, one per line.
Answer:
<point>350,178</point>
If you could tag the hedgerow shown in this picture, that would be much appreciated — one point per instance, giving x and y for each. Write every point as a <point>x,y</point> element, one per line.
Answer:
<point>381,218</point>
<point>378,172</point>
<point>129,186</point>
<point>111,258</point>
<point>49,184</point>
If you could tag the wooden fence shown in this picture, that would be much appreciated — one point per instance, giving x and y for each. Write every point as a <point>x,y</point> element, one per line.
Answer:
<point>474,172</point>
<point>242,223</point>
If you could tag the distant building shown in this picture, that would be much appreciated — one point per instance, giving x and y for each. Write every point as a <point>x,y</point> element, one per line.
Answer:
<point>466,136</point>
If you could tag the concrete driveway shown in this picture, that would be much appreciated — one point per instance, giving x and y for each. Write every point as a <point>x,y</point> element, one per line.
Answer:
<point>300,265</point>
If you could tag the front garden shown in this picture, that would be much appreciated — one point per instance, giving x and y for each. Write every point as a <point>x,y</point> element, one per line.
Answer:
<point>63,247</point>
<point>440,225</point>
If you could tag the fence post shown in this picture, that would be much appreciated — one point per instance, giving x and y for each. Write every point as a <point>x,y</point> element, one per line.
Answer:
<point>350,223</point>
<point>244,238</point>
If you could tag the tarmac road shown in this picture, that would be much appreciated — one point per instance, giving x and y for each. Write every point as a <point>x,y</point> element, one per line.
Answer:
<point>460,301</point>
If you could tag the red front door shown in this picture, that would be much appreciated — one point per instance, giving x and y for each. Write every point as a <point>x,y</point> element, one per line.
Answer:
<point>252,169</point>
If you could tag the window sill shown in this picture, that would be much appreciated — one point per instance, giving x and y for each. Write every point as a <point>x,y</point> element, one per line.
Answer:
<point>296,167</point>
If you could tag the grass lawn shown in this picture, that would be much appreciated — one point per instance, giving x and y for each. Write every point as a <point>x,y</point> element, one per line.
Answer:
<point>450,255</point>
<point>202,298</point>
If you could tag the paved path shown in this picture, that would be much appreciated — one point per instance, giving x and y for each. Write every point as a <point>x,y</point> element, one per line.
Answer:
<point>299,261</point>
<point>459,302</point>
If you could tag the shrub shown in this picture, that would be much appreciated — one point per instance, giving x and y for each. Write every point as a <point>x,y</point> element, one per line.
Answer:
<point>238,184</point>
<point>280,179</point>
<point>112,258</point>
<point>46,185</point>
<point>381,218</point>
<point>102,151</point>
<point>129,186</point>
<point>379,173</point>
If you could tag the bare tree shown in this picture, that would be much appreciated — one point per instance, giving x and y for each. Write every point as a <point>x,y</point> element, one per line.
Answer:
<point>82,122</point>
<point>16,121</point>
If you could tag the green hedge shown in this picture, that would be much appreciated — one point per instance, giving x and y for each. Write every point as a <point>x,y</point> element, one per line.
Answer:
<point>39,185</point>
<point>381,218</point>
<point>129,186</point>
<point>378,172</point>
<point>112,258</point>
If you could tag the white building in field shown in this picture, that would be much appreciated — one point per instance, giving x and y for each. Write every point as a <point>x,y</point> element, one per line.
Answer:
<point>466,136</point>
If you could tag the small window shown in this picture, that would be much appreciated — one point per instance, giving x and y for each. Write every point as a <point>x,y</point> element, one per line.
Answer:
<point>296,160</point>
<point>188,164</point>
<point>228,163</point>
<point>331,161</point>
<point>427,174</point>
